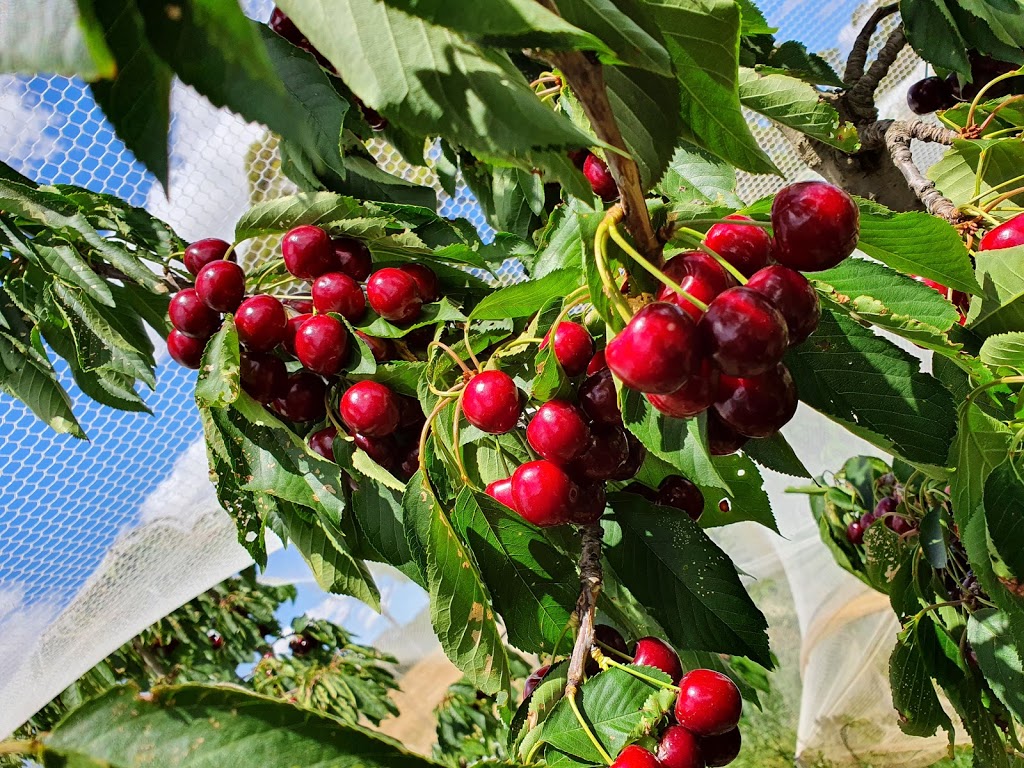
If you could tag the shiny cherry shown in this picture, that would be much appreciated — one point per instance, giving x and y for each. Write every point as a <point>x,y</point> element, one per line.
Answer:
<point>654,652</point>
<point>757,406</point>
<point>747,247</point>
<point>261,322</point>
<point>694,397</point>
<point>337,292</point>
<point>185,350</point>
<point>744,333</point>
<point>635,455</point>
<point>1009,234</point>
<point>322,442</point>
<point>533,680</point>
<point>303,399</point>
<point>815,225</point>
<point>722,749</point>
<point>635,756</point>
<point>855,532</point>
<point>491,402</point>
<point>379,348</point>
<point>370,408</point>
<point>793,296</point>
<point>600,178</point>
<point>302,306</point>
<point>590,505</point>
<point>723,439</point>
<point>190,315</point>
<point>605,452</point>
<point>558,432</point>
<point>501,490</point>
<point>352,257</point>
<point>599,399</point>
<point>203,252</point>
<point>574,347</point>
<point>709,703</point>
<point>321,345</point>
<point>929,95</point>
<point>426,281</point>
<point>382,450</point>
<point>597,363</point>
<point>657,350</point>
<point>221,285</point>
<point>394,295</point>
<point>679,748</point>
<point>308,252</point>
<point>263,376</point>
<point>681,492</point>
<point>294,323</point>
<point>543,494</point>
<point>699,275</point>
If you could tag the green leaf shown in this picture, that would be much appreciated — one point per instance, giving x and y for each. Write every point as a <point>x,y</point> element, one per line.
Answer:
<point>793,58</point>
<point>439,312</point>
<point>989,634</point>
<point>683,579</point>
<point>1004,350</point>
<point>533,585</point>
<point>973,168</point>
<point>569,233</point>
<point>775,453</point>
<point>198,725</point>
<point>381,518</point>
<point>934,541</point>
<point>524,299</point>
<point>30,48</point>
<point>1004,499</point>
<point>874,388</point>
<point>67,264</point>
<point>913,693</point>
<point>797,105</point>
<point>400,375</point>
<point>28,376</point>
<point>746,499</point>
<point>631,43</point>
<point>696,174</point>
<point>883,555</point>
<point>1001,309</point>
<point>933,33</point>
<point>511,198</point>
<point>277,216</point>
<point>981,446</point>
<point>218,383</point>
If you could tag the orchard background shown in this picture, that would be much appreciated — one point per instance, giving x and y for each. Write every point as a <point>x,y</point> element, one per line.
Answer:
<point>72,255</point>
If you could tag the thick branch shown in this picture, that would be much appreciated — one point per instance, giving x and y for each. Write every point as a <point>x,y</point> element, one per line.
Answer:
<point>859,53</point>
<point>860,98</point>
<point>590,589</point>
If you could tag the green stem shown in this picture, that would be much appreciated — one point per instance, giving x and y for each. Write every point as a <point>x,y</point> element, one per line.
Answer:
<point>994,383</point>
<point>469,346</point>
<point>981,93</point>
<point>425,432</point>
<point>586,729</point>
<point>456,434</point>
<point>279,283</point>
<point>1003,132</point>
<point>617,652</point>
<point>601,259</point>
<point>699,242</point>
<point>928,609</point>
<point>980,212</point>
<point>638,674</point>
<point>655,272</point>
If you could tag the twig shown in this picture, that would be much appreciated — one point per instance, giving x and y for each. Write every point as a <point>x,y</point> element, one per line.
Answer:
<point>859,53</point>
<point>103,269</point>
<point>590,588</point>
<point>860,98</point>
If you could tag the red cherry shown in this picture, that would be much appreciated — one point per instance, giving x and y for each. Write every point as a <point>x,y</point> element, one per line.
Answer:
<point>300,645</point>
<point>694,397</point>
<point>501,490</point>
<point>657,350</point>
<point>394,295</point>
<point>958,299</point>
<point>597,363</point>
<point>606,451</point>
<point>599,399</point>
<point>574,348</point>
<point>653,652</point>
<point>636,453</point>
<point>216,639</point>
<point>370,408</point>
<point>322,442</point>
<point>285,27</point>
<point>263,377</point>
<point>600,178</point>
<point>699,275</point>
<point>723,439</point>
<point>793,296</point>
<point>491,402</point>
<point>337,292</point>
<point>410,462</point>
<point>635,756</point>
<point>221,285</point>
<point>261,322</point>
<point>190,315</point>
<point>1009,234</point>
<point>679,748</point>
<point>746,246</point>
<point>294,323</point>
<point>590,505</point>
<point>558,432</point>
<point>533,680</point>
<point>855,532</point>
<point>426,281</point>
<point>411,415</point>
<point>352,257</point>
<point>543,494</point>
<point>744,332</point>
<point>380,348</point>
<point>680,492</point>
<point>308,252</point>
<point>709,703</point>
<point>757,406</point>
<point>578,157</point>
<point>815,225</point>
<point>899,524</point>
<point>203,252</point>
<point>721,750</point>
<point>185,350</point>
<point>321,345</point>
<point>381,449</point>
<point>303,399</point>
<point>302,306</point>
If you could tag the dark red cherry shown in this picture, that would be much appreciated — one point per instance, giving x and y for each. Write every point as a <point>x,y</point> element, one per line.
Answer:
<point>185,350</point>
<point>303,399</point>
<point>599,399</point>
<point>534,679</point>
<point>606,451</point>
<point>680,492</point>
<point>721,750</point>
<point>600,178</point>
<point>899,524</point>
<point>694,397</point>
<point>544,495</point>
<point>394,295</point>
<point>203,252</point>
<point>491,402</point>
<point>337,292</point>
<point>380,348</point>
<point>558,432</point>
<point>300,645</point>
<point>930,95</point>
<point>426,281</point>
<point>410,415</point>
<point>352,257</point>
<point>282,24</point>
<point>757,406</point>
<point>709,703</point>
<point>654,652</point>
<point>308,252</point>
<point>610,640</point>
<point>221,285</point>
<point>321,345</point>
<point>679,748</point>
<point>634,459</point>
<point>302,306</point>
<point>1009,234</point>
<point>190,315</point>
<point>501,490</point>
<point>382,450</point>
<point>793,296</point>
<point>263,377</point>
<point>635,756</point>
<point>291,329</point>
<point>574,347</point>
<point>373,118</point>
<point>699,275</point>
<point>744,333</point>
<point>855,532</point>
<point>657,350</point>
<point>410,462</point>
<point>578,157</point>
<point>815,226</point>
<point>747,247</point>
<point>370,408</point>
<point>723,439</point>
<point>261,322</point>
<point>597,363</point>
<point>322,442</point>
<point>590,504</point>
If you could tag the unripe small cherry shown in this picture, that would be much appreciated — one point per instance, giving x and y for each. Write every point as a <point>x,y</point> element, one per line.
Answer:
<point>308,252</point>
<point>709,703</point>
<point>221,285</point>
<point>544,495</point>
<point>501,490</point>
<point>654,652</point>
<point>185,350</point>
<point>600,177</point>
<point>574,347</point>
<point>491,402</point>
<point>321,345</point>
<point>558,432</point>
<point>262,376</point>
<point>747,247</point>
<point>352,257</point>
<point>303,398</point>
<point>370,408</point>
<point>203,252</point>
<point>337,292</point>
<point>322,442</point>
<point>394,295</point>
<point>426,280</point>
<point>190,315</point>
<point>261,322</point>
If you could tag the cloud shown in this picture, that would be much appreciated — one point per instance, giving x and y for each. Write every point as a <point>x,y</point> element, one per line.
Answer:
<point>28,137</point>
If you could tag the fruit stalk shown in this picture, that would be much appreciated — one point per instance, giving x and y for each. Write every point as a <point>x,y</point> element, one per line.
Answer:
<point>591,579</point>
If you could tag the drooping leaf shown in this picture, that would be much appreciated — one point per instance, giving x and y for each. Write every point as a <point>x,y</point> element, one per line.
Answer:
<point>777,454</point>
<point>913,692</point>
<point>981,445</point>
<point>632,43</point>
<point>524,299</point>
<point>279,215</point>
<point>28,376</point>
<point>218,384</point>
<point>793,58</point>
<point>988,632</point>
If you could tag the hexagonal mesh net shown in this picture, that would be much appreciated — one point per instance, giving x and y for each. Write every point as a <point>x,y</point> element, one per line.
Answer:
<point>98,539</point>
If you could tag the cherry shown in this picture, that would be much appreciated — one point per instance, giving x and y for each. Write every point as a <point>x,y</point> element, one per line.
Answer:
<point>885,506</point>
<point>605,452</point>
<point>681,493</point>
<point>410,462</point>
<point>958,299</point>
<point>370,408</point>
<point>321,345</point>
<point>381,449</point>
<point>534,679</point>
<point>282,24</point>
<point>744,332</point>
<point>302,306</point>
<point>501,490</point>
<point>394,295</point>
<point>303,398</point>
<point>558,432</point>
<point>291,329</point>
<point>373,118</point>
<point>543,494</point>
<point>300,645</point>
<point>757,406</point>
<point>308,252</point>
<point>599,399</point>
<point>1009,234</point>
<point>635,756</point>
<point>263,377</point>
<point>657,350</point>
<point>203,252</point>
<point>723,439</point>
<point>410,416</point>
<point>654,652</point>
<point>722,749</point>
<point>352,257</point>
<point>597,363</point>
<point>679,748</point>
<point>185,350</point>
<point>379,348</point>
<point>928,95</point>
<point>746,246</point>
<point>600,178</point>
<point>815,226</point>
<point>578,157</point>
<point>216,639</point>
<point>221,285</point>
<point>855,532</point>
<point>491,402</point>
<point>574,348</point>
<point>899,525</point>
<point>426,281</point>
<point>694,397</point>
<point>261,322</point>
<point>591,504</point>
<point>609,637</point>
<point>793,295</point>
<point>190,315</point>
<point>322,442</point>
<point>709,703</point>
<point>337,292</point>
<point>697,273</point>
<point>636,453</point>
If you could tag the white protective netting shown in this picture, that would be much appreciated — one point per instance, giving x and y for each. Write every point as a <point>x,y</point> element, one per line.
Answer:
<point>100,539</point>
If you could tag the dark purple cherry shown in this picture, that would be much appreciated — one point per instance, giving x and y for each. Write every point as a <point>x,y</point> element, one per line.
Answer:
<point>681,492</point>
<point>382,450</point>
<point>303,399</point>
<point>590,505</point>
<point>723,439</point>
<point>380,348</point>
<point>720,750</point>
<point>757,406</point>
<point>634,459</point>
<point>744,333</point>
<point>793,296</point>
<point>352,257</point>
<point>322,442</point>
<point>606,451</point>
<point>930,95</point>
<point>599,399</point>
<point>534,679</point>
<point>816,226</point>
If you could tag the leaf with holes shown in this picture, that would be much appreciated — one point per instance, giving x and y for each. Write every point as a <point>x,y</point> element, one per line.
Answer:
<point>913,692</point>
<point>218,382</point>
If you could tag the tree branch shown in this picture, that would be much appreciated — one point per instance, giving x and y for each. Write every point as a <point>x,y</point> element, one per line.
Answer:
<point>859,53</point>
<point>103,269</point>
<point>591,578</point>
<point>860,98</point>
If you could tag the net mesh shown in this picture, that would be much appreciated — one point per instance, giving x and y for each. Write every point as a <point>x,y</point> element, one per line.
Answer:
<point>99,539</point>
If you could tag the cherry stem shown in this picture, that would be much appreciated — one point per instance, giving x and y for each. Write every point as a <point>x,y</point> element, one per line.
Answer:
<point>657,273</point>
<point>451,354</point>
<point>699,241</point>
<point>995,111</point>
<point>279,283</point>
<point>330,413</point>
<point>928,609</point>
<point>469,346</point>
<point>980,213</point>
<point>1005,196</point>
<point>586,729</point>
<point>994,383</point>
<point>456,433</point>
<point>611,288</point>
<point>425,432</point>
<point>981,93</point>
<point>614,651</point>
<point>604,661</point>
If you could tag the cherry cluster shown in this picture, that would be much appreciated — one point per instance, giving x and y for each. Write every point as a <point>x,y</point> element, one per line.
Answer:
<point>885,511</point>
<point>717,345</point>
<point>934,93</point>
<point>276,333</point>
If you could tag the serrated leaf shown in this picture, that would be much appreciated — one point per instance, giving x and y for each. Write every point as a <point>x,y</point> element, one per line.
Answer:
<point>957,175</point>
<point>913,693</point>
<point>68,265</point>
<point>400,375</point>
<point>988,632</point>
<point>28,376</point>
<point>883,555</point>
<point>1004,499</point>
<point>746,499</point>
<point>218,384</point>
<point>775,453</point>
<point>981,446</point>
<point>526,726</point>
<point>934,542</point>
<point>381,518</point>
<point>631,42</point>
<point>1001,308</point>
<point>277,216</point>
<point>524,299</point>
<point>933,33</point>
<point>1004,350</point>
<point>696,174</point>
<point>793,58</point>
<point>569,233</point>
<point>432,314</point>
